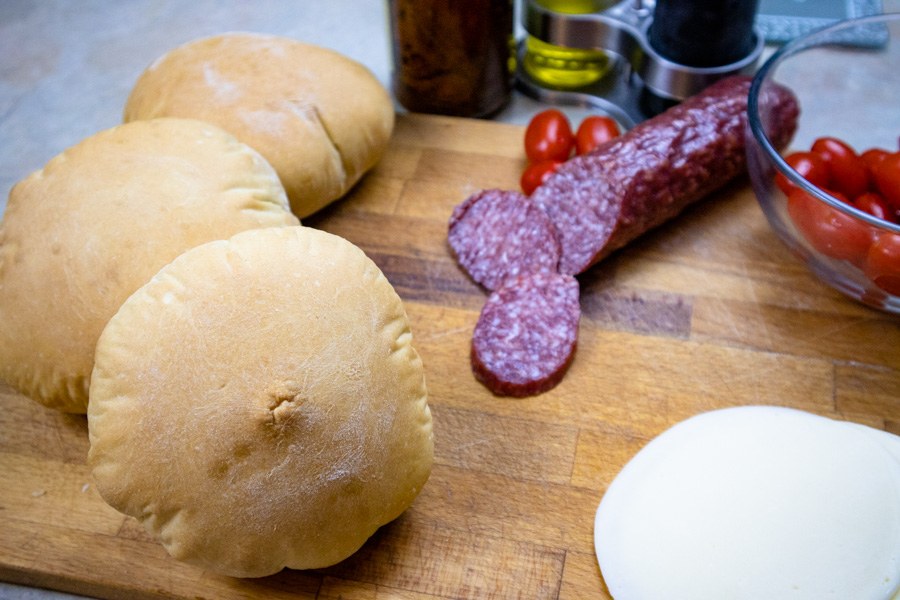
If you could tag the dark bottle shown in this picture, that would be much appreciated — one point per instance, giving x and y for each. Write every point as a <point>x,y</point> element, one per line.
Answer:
<point>452,57</point>
<point>704,34</point>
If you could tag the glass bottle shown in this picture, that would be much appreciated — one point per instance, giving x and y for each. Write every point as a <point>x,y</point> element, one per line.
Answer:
<point>565,68</point>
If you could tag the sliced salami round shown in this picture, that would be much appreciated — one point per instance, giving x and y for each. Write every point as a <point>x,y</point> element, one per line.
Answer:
<point>526,335</point>
<point>498,234</point>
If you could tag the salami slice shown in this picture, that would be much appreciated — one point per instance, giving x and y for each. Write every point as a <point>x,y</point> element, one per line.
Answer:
<point>526,335</point>
<point>498,234</point>
<point>602,200</point>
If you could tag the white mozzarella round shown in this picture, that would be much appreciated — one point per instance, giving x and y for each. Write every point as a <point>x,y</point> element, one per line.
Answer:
<point>755,503</point>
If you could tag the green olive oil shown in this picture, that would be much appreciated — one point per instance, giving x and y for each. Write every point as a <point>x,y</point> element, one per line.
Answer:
<point>565,68</point>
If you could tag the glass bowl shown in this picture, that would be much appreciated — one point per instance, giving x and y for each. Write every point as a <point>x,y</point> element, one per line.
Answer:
<point>846,78</point>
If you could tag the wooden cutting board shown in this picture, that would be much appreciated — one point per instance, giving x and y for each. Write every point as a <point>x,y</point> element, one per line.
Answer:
<point>710,311</point>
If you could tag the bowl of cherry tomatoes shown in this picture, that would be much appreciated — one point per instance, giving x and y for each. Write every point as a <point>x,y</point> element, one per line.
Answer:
<point>833,196</point>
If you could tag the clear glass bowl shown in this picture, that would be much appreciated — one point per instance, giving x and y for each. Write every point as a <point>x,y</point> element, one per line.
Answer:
<point>847,81</point>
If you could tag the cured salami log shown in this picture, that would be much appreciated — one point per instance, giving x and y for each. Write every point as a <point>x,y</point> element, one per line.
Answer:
<point>602,200</point>
<point>526,335</point>
<point>498,234</point>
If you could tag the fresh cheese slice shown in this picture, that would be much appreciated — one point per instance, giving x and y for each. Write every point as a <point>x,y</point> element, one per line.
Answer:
<point>890,441</point>
<point>755,503</point>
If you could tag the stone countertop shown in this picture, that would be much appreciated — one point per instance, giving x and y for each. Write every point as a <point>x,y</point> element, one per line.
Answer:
<point>67,68</point>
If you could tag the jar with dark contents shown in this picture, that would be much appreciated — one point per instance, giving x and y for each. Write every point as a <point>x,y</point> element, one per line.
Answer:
<point>452,57</point>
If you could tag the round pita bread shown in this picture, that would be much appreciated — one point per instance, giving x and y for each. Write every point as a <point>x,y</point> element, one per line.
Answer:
<point>259,404</point>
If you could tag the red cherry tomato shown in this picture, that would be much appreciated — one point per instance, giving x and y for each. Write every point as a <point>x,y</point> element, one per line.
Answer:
<point>875,205</point>
<point>846,171</point>
<point>827,229</point>
<point>537,173</point>
<point>883,263</point>
<point>872,157</point>
<point>887,179</point>
<point>593,131</point>
<point>549,137</point>
<point>809,166</point>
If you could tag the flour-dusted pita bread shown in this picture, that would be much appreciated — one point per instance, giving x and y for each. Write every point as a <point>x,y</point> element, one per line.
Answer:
<point>259,404</point>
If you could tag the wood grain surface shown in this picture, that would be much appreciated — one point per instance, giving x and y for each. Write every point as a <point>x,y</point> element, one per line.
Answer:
<point>710,311</point>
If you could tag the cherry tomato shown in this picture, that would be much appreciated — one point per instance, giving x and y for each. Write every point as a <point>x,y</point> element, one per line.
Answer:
<point>846,171</point>
<point>593,131</point>
<point>827,229</point>
<point>809,166</point>
<point>887,179</point>
<point>548,137</point>
<point>537,173</point>
<point>883,263</point>
<point>872,157</point>
<point>875,205</point>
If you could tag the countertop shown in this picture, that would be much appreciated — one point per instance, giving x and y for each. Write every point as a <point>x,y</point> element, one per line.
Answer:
<point>68,67</point>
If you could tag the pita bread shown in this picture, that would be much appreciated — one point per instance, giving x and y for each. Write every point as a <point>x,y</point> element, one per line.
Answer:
<point>259,404</point>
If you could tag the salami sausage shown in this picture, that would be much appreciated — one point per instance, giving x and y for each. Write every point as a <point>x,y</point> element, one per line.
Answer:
<point>526,335</point>
<point>602,200</point>
<point>498,234</point>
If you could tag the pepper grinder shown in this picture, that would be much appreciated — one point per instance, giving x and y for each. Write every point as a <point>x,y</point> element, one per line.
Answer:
<point>699,35</point>
<point>703,34</point>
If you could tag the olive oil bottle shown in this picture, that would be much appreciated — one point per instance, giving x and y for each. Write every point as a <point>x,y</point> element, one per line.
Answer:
<point>565,68</point>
